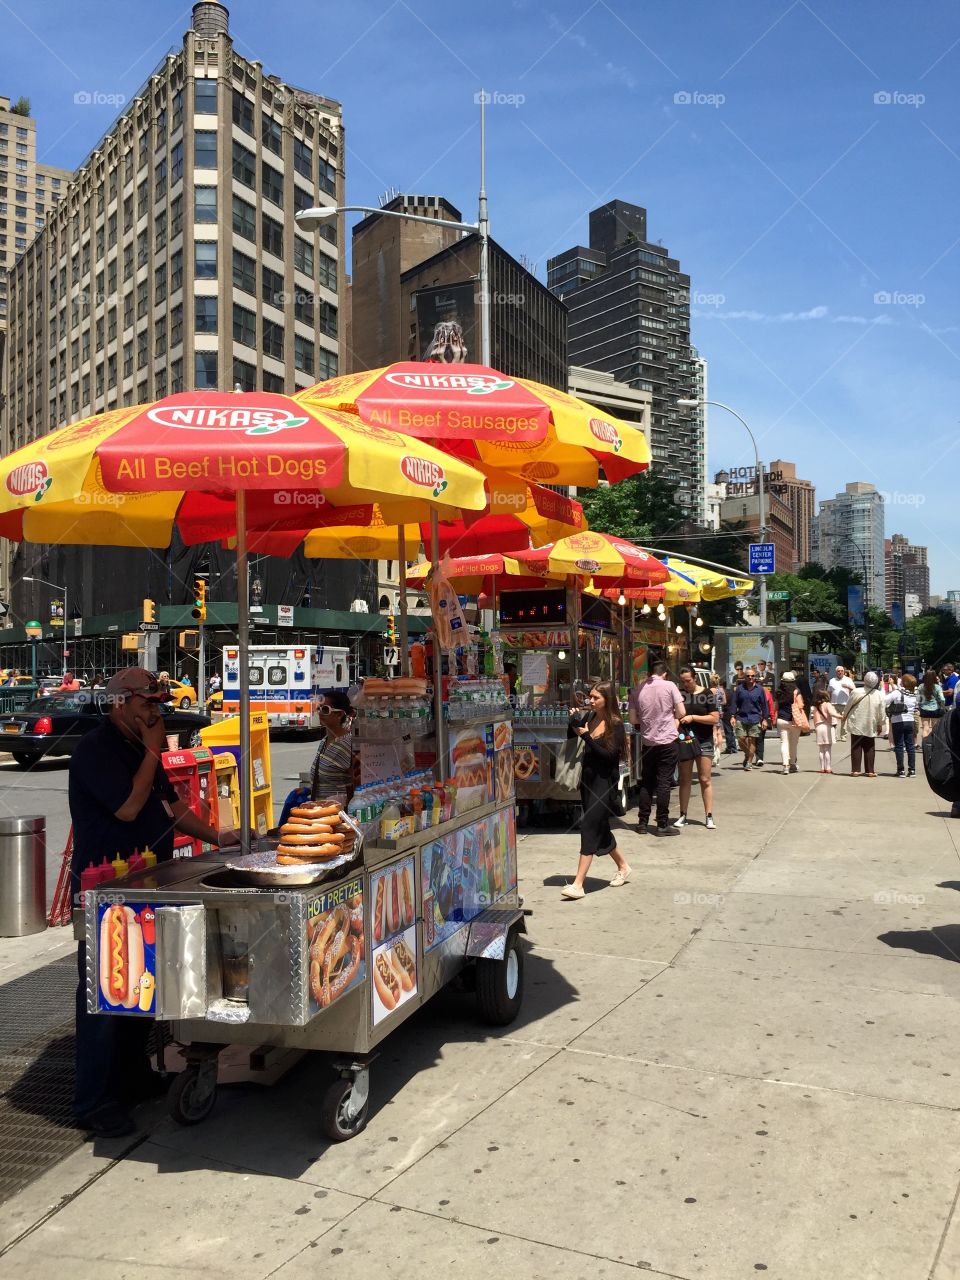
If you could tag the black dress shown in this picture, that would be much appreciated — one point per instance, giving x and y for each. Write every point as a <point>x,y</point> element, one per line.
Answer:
<point>599,783</point>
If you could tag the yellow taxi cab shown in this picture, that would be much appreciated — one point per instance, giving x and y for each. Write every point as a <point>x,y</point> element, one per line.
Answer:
<point>182,695</point>
<point>215,702</point>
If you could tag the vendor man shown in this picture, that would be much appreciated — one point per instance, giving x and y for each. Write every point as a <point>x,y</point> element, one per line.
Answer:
<point>121,802</point>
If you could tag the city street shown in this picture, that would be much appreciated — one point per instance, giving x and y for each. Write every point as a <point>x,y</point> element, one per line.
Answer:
<point>743,1062</point>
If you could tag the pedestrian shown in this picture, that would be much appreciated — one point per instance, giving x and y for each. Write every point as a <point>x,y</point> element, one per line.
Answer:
<point>214,684</point>
<point>791,720</point>
<point>865,715</point>
<point>901,705</point>
<point>725,700</point>
<point>750,713</point>
<point>695,744</point>
<point>121,802</point>
<point>765,677</point>
<point>761,744</point>
<point>69,683</point>
<point>657,708</point>
<point>841,687</point>
<point>824,719</point>
<point>604,746</point>
<point>931,702</point>
<point>722,732</point>
<point>948,683</point>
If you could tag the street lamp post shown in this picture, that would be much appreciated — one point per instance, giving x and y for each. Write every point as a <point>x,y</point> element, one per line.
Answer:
<point>66,612</point>
<point>693,403</point>
<point>313,219</point>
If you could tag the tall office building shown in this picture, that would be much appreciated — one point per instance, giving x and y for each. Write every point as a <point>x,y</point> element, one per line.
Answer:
<point>173,263</point>
<point>907,572</point>
<point>29,191</point>
<point>848,531</point>
<point>800,497</point>
<point>629,306</point>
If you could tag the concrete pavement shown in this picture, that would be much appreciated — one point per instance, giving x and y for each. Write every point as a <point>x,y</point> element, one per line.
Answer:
<point>744,1062</point>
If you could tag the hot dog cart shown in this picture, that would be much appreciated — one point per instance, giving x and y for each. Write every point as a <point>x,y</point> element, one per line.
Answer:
<point>241,951</point>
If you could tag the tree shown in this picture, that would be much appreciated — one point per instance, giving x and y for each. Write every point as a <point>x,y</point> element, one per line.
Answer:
<point>641,509</point>
<point>21,107</point>
<point>934,636</point>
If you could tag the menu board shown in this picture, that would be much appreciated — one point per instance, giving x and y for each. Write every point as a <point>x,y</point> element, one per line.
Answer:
<point>126,958</point>
<point>465,872</point>
<point>335,943</point>
<point>393,964</point>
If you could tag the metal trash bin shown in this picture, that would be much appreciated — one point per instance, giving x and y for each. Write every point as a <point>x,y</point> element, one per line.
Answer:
<point>23,876</point>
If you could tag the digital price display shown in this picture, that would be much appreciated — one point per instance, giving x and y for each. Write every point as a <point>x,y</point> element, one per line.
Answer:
<point>523,608</point>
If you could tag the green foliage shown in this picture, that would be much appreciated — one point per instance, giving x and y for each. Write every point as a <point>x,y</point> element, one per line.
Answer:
<point>934,636</point>
<point>21,107</point>
<point>640,509</point>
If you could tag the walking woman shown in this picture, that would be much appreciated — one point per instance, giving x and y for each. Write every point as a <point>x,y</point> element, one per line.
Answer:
<point>931,702</point>
<point>865,716</point>
<point>723,735</point>
<point>604,744</point>
<point>824,718</point>
<point>791,720</point>
<point>901,708</point>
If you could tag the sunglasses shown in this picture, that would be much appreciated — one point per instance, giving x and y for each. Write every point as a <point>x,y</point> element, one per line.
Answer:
<point>326,710</point>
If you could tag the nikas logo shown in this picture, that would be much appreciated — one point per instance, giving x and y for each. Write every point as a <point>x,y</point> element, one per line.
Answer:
<point>31,477</point>
<point>250,422</point>
<point>606,432</point>
<point>588,566</point>
<point>474,384</point>
<point>424,472</point>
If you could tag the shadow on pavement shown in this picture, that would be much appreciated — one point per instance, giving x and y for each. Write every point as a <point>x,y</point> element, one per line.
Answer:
<point>942,941</point>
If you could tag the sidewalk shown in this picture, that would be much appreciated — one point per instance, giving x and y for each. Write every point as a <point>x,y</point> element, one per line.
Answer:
<point>744,1062</point>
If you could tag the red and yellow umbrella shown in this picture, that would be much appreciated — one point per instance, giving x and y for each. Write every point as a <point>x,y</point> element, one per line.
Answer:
<point>479,574</point>
<point>609,561</point>
<point>482,415</point>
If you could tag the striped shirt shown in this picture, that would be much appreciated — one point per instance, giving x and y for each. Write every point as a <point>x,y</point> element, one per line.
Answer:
<point>331,777</point>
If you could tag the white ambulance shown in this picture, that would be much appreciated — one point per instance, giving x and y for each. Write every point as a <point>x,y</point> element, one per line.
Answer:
<point>286,681</point>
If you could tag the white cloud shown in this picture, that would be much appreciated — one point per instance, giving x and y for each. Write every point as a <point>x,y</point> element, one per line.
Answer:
<point>793,317</point>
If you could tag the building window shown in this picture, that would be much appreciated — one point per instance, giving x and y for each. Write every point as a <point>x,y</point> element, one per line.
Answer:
<point>127,261</point>
<point>99,334</point>
<point>160,232</point>
<point>176,162</point>
<point>205,97</point>
<point>160,383</point>
<point>328,231</point>
<point>271,287</point>
<point>176,376</point>
<point>142,349</point>
<point>242,113</point>
<point>303,308</point>
<point>205,367</point>
<point>245,375</point>
<point>111,324</point>
<point>272,339</point>
<point>302,158</point>
<point>303,256</point>
<point>176,325</point>
<point>205,149</point>
<point>143,298</point>
<point>205,204</point>
<point>128,213</point>
<point>328,319</point>
<point>161,128</point>
<point>301,199</point>
<point>143,198</point>
<point>244,326</point>
<point>142,392</point>
<point>21,133</point>
<point>128,359</point>
<point>303,355</point>
<point>205,264</point>
<point>326,364</point>
<point>160,337</point>
<point>205,315</point>
<point>272,235</point>
<point>327,178</point>
<point>21,148</point>
<point>143,249</point>
<point>271,135</point>
<point>127,310</point>
<point>160,283</point>
<point>244,273</point>
<point>272,382</point>
<point>176,216</point>
<point>328,272</point>
<point>177,118</point>
<point>111,372</point>
<point>111,231</point>
<point>176,271</point>
<point>160,180</point>
<point>244,219</point>
<point>244,165</point>
<point>272,184</point>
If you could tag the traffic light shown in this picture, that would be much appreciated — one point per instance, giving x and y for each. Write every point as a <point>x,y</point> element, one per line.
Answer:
<point>199,610</point>
<point>391,629</point>
<point>149,610</point>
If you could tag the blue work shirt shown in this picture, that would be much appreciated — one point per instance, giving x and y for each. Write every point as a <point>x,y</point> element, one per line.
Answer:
<point>750,705</point>
<point>102,769</point>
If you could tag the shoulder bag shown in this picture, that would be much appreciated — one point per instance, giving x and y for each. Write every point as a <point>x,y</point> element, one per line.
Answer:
<point>799,714</point>
<point>568,769</point>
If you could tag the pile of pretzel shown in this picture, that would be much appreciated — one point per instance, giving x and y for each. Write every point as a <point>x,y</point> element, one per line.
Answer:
<point>314,832</point>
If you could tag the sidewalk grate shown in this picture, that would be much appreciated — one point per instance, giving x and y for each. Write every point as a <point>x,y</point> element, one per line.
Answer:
<point>36,1074</point>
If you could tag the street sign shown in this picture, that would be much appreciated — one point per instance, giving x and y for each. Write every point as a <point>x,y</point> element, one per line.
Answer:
<point>391,656</point>
<point>762,558</point>
<point>778,595</point>
<point>149,626</point>
<point>284,615</point>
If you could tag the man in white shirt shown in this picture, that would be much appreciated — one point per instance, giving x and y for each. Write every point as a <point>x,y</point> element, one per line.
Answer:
<point>841,687</point>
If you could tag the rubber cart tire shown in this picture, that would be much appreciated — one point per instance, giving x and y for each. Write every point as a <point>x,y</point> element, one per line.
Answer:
<point>500,985</point>
<point>335,1121</point>
<point>192,1095</point>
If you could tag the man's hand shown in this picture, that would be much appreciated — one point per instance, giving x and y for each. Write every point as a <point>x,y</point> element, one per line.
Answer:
<point>229,836</point>
<point>153,733</point>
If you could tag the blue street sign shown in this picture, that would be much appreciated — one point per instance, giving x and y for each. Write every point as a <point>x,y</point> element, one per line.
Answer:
<point>762,558</point>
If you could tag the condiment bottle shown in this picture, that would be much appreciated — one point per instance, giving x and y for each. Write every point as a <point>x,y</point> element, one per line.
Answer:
<point>120,866</point>
<point>89,879</point>
<point>136,862</point>
<point>149,857</point>
<point>105,871</point>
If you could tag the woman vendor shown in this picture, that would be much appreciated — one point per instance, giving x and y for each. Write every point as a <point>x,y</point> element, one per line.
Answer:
<point>332,773</point>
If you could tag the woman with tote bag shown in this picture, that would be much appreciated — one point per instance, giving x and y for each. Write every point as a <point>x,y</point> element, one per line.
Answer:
<point>604,742</point>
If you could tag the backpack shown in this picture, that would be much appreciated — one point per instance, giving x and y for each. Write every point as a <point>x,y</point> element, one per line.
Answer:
<point>941,758</point>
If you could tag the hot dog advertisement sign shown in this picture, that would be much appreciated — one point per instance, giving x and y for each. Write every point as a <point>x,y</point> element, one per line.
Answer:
<point>393,964</point>
<point>335,956</point>
<point>465,872</point>
<point>127,958</point>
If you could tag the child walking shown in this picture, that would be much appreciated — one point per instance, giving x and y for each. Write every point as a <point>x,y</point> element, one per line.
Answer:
<point>824,718</point>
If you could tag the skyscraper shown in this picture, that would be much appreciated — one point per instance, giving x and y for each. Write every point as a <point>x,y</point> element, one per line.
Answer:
<point>629,308</point>
<point>907,572</point>
<point>800,497</point>
<point>849,532</point>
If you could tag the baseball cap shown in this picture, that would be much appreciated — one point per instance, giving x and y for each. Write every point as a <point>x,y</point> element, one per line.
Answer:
<point>135,680</point>
<point>789,675</point>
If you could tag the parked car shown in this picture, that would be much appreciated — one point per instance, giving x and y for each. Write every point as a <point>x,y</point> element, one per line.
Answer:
<point>182,695</point>
<point>55,724</point>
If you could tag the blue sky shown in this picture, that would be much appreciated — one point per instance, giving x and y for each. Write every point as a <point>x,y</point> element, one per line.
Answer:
<point>808,180</point>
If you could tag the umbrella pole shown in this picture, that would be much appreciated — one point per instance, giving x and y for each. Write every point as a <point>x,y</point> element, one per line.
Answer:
<point>243,638</point>
<point>404,632</point>
<point>437,656</point>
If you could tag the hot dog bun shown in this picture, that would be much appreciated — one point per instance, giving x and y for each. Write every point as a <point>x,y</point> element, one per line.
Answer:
<point>121,957</point>
<point>406,898</point>
<point>378,910</point>
<point>402,963</point>
<point>386,982</point>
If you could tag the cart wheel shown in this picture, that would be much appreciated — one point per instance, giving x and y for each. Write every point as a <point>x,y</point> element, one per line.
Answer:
<point>345,1107</point>
<point>192,1094</point>
<point>500,985</point>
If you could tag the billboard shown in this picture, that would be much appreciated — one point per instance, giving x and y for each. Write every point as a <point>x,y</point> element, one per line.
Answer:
<point>855,605</point>
<point>446,324</point>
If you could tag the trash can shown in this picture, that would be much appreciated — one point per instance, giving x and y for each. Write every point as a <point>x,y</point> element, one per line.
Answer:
<point>23,876</point>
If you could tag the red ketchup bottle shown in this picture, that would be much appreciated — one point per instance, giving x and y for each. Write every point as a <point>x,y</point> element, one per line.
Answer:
<point>89,879</point>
